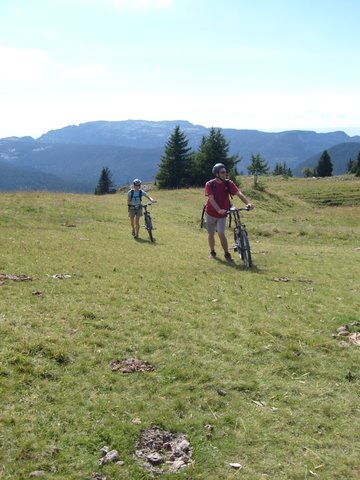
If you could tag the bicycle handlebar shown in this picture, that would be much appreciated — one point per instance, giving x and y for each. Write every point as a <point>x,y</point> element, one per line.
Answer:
<point>234,209</point>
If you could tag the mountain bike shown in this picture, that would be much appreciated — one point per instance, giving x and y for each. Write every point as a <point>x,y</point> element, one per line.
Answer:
<point>241,239</point>
<point>148,221</point>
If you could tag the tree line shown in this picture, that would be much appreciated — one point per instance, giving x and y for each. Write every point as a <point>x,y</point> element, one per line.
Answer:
<point>181,166</point>
<point>324,167</point>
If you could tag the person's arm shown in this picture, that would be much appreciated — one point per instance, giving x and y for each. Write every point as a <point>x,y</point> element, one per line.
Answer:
<point>149,198</point>
<point>242,197</point>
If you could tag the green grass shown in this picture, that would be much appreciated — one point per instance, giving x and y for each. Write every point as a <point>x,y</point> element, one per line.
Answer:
<point>291,408</point>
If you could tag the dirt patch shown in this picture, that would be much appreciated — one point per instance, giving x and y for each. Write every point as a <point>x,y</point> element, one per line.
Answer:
<point>131,365</point>
<point>161,452</point>
<point>349,333</point>
<point>15,278</point>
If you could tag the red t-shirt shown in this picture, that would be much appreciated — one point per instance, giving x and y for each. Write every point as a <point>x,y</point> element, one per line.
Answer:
<point>221,196</point>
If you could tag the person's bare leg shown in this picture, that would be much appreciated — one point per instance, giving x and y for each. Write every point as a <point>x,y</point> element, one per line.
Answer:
<point>224,242</point>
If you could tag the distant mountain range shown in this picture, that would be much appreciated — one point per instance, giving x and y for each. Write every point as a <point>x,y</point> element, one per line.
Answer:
<point>71,158</point>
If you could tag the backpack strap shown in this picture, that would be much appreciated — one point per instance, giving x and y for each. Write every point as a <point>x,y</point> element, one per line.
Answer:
<point>213,185</point>
<point>132,194</point>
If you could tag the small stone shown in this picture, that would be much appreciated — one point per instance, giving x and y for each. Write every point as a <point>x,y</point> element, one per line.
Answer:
<point>221,392</point>
<point>104,450</point>
<point>111,456</point>
<point>183,446</point>
<point>237,466</point>
<point>37,473</point>
<point>98,476</point>
<point>155,459</point>
<point>177,465</point>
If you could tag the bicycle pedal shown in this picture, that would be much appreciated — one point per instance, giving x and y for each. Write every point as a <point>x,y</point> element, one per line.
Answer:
<point>234,248</point>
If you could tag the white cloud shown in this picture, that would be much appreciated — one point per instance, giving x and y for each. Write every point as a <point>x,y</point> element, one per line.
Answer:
<point>84,72</point>
<point>36,115</point>
<point>23,65</point>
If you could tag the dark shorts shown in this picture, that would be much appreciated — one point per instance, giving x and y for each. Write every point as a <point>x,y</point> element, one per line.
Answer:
<point>135,211</point>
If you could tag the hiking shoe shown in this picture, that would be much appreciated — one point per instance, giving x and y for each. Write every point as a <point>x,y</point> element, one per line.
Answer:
<point>228,257</point>
<point>212,254</point>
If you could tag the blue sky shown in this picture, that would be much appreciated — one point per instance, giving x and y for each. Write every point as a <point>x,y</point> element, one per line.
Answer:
<point>269,65</point>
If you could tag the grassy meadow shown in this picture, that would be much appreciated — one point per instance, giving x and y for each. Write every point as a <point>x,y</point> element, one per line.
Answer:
<point>246,364</point>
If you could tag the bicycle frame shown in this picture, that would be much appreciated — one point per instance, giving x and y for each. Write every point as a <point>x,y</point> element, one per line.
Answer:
<point>148,221</point>
<point>241,240</point>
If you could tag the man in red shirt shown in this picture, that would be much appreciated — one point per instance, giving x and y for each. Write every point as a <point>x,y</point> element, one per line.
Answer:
<point>217,192</point>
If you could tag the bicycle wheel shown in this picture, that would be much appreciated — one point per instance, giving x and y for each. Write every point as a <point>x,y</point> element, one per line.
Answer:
<point>202,222</point>
<point>148,226</point>
<point>245,248</point>
<point>237,242</point>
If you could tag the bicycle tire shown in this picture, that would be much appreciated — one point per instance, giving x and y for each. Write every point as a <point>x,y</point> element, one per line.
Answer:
<point>245,249</point>
<point>202,222</point>
<point>148,226</point>
<point>237,242</point>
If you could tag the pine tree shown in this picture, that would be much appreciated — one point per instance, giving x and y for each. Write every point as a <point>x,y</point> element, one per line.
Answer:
<point>357,166</point>
<point>213,149</point>
<point>324,167</point>
<point>350,166</point>
<point>105,184</point>
<point>257,167</point>
<point>175,163</point>
<point>277,169</point>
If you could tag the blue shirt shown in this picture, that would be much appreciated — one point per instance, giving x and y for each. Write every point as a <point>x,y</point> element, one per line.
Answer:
<point>135,200</point>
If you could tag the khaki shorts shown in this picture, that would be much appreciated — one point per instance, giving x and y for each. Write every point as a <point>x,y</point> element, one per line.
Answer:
<point>214,224</point>
<point>135,212</point>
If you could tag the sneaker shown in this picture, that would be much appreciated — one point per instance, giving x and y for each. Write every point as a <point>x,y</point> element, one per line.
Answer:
<point>212,254</point>
<point>228,257</point>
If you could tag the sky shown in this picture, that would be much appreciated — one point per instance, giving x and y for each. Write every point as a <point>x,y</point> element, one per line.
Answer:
<point>270,65</point>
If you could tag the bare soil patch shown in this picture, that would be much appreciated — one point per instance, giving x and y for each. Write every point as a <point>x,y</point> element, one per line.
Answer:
<point>15,278</point>
<point>349,333</point>
<point>161,452</point>
<point>131,365</point>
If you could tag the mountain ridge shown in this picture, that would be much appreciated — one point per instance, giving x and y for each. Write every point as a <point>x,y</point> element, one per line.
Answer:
<point>133,148</point>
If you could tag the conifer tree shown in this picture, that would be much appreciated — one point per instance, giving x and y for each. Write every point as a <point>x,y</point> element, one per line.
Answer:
<point>175,163</point>
<point>213,149</point>
<point>324,167</point>
<point>350,166</point>
<point>357,166</point>
<point>105,184</point>
<point>258,166</point>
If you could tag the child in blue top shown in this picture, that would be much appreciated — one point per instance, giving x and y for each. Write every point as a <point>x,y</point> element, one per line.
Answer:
<point>135,195</point>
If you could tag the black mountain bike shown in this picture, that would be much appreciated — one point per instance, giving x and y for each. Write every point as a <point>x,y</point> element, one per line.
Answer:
<point>241,239</point>
<point>148,221</point>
